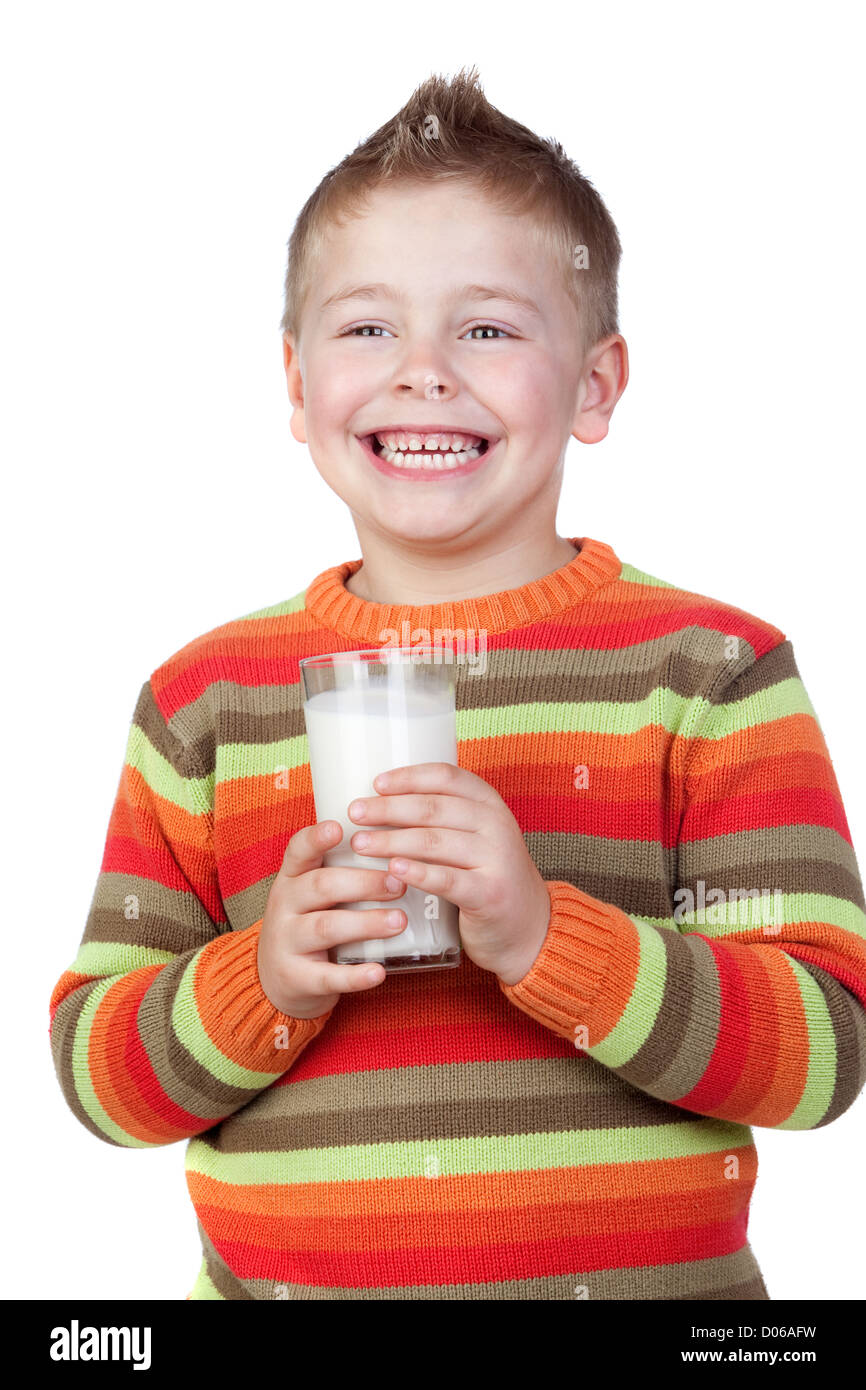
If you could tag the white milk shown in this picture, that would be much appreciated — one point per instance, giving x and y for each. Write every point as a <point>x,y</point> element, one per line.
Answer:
<point>353,735</point>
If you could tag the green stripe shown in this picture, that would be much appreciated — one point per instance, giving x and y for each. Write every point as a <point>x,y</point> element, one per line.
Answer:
<point>191,1033</point>
<point>83,1080</point>
<point>276,610</point>
<point>240,760</point>
<point>204,1287</point>
<point>192,794</point>
<point>640,1013</point>
<point>660,707</point>
<point>478,1154</point>
<point>786,697</point>
<point>630,575</point>
<point>116,958</point>
<point>796,908</point>
<point>823,1059</point>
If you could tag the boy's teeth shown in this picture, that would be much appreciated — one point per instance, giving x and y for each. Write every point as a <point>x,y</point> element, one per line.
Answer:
<point>429,461</point>
<point>434,444</point>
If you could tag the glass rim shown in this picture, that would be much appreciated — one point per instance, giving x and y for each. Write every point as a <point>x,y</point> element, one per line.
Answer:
<point>383,654</point>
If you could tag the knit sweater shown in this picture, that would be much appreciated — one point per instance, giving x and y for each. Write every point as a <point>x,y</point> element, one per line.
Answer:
<point>583,1133</point>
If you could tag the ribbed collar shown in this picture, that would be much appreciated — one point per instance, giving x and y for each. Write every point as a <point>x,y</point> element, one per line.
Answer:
<point>333,606</point>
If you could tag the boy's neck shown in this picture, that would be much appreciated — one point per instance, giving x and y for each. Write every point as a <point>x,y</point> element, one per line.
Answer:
<point>399,575</point>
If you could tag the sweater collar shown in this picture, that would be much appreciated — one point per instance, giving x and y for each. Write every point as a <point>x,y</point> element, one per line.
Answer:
<point>332,605</point>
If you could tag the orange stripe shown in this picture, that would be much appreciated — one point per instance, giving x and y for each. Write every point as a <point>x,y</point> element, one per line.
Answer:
<point>244,801</point>
<point>776,1065</point>
<point>801,741</point>
<point>409,1230</point>
<point>464,1224</point>
<point>106,1062</point>
<point>661,1178</point>
<point>143,814</point>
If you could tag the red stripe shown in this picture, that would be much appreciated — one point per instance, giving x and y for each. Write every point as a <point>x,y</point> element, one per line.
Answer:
<point>763,811</point>
<point>609,632</point>
<point>258,861</point>
<point>520,1039</point>
<point>733,1037</point>
<point>606,633</point>
<point>579,814</point>
<point>830,961</point>
<point>484,1264</point>
<point>138,1072</point>
<point>151,861</point>
<point>156,863</point>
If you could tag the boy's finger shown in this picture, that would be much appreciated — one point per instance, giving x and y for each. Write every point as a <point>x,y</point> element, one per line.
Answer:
<point>415,809</point>
<point>315,977</point>
<point>307,846</point>
<point>436,777</point>
<point>317,931</point>
<point>343,883</point>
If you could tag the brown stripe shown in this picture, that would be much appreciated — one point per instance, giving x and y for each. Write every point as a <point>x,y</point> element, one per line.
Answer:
<point>677,1051</point>
<point>726,1276</point>
<point>774,666</point>
<point>419,1120</point>
<point>787,875</point>
<point>190,1085</point>
<point>849,1027</point>
<point>604,872</point>
<point>753,1290</point>
<point>271,714</point>
<point>267,714</point>
<point>63,1031</point>
<point>148,717</point>
<point>159,926</point>
<point>509,1080</point>
<point>221,1276</point>
<point>814,843</point>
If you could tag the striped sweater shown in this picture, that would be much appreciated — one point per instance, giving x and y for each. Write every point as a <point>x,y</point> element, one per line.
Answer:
<point>583,1133</point>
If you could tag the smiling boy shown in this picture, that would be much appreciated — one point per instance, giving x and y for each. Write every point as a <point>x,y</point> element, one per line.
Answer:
<point>567,1115</point>
<point>476,315</point>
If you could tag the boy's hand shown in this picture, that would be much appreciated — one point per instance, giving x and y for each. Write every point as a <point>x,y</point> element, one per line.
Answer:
<point>463,844</point>
<point>301,923</point>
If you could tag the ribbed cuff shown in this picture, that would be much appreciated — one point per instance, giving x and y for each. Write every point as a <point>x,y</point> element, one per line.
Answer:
<point>567,975</point>
<point>242,1022</point>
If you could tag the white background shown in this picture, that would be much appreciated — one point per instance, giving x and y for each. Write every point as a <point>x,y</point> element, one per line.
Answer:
<point>154,159</point>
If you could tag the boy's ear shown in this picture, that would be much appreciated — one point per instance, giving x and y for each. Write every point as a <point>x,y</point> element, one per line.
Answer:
<point>602,382</point>
<point>295,384</point>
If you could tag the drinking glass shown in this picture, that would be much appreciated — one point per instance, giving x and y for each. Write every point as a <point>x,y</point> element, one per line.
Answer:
<point>366,712</point>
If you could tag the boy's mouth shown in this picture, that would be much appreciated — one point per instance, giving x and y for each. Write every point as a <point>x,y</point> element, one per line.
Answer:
<point>417,450</point>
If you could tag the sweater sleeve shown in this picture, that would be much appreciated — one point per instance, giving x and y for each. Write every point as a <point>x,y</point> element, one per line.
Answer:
<point>160,1027</point>
<point>749,1003</point>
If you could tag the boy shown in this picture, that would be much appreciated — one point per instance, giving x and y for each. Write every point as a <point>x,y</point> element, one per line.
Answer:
<point>660,908</point>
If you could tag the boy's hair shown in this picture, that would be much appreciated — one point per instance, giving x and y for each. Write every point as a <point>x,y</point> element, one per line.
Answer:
<point>450,130</point>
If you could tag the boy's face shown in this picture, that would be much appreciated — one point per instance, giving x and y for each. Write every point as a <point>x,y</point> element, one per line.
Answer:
<point>442,357</point>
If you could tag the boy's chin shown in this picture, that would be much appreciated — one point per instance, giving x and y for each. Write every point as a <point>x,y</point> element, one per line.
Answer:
<point>408,522</point>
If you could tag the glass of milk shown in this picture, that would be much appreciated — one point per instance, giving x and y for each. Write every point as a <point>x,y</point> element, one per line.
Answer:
<point>366,712</point>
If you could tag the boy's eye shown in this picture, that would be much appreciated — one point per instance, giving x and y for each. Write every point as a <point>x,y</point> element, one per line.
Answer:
<point>371,330</point>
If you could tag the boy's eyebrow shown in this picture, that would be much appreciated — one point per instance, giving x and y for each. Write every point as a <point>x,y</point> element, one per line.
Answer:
<point>476,292</point>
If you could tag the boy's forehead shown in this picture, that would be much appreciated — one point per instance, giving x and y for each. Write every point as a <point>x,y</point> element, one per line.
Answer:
<point>423,234</point>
